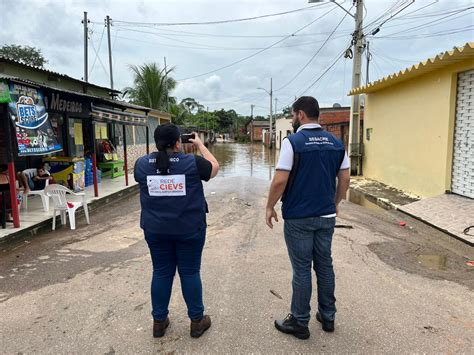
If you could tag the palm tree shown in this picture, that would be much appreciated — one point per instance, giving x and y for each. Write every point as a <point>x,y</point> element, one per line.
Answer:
<point>151,86</point>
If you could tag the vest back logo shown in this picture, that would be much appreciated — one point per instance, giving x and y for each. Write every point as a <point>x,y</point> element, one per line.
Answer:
<point>166,185</point>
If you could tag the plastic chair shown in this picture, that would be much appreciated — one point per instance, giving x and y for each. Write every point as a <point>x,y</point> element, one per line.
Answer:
<point>63,206</point>
<point>30,173</point>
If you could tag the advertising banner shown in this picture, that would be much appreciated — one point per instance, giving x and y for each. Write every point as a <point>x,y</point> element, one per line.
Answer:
<point>33,130</point>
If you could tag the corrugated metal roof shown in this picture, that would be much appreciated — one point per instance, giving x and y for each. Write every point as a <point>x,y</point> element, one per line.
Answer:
<point>441,60</point>
<point>13,61</point>
<point>122,104</point>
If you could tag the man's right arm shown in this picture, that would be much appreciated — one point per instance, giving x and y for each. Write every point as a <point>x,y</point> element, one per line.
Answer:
<point>343,181</point>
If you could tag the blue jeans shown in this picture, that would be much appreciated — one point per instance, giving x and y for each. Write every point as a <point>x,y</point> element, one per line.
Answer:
<point>309,242</point>
<point>169,252</point>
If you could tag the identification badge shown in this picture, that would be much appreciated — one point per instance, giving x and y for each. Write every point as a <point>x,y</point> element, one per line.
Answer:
<point>166,185</point>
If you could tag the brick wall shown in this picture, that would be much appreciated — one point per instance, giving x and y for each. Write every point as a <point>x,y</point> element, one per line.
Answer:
<point>133,153</point>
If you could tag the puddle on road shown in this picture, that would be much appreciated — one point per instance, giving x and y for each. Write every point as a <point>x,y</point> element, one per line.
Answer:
<point>432,261</point>
<point>359,199</point>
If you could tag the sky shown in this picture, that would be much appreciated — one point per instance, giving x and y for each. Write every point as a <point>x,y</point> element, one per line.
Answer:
<point>304,55</point>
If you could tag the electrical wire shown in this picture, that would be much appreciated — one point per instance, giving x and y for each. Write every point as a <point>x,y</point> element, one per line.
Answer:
<point>314,55</point>
<point>227,48</point>
<point>436,22</point>
<point>258,52</point>
<point>201,34</point>
<point>218,21</point>
<point>98,57</point>
<point>100,44</point>
<point>428,35</point>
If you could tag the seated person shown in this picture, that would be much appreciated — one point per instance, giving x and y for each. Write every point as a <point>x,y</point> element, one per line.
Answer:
<point>22,179</point>
<point>39,180</point>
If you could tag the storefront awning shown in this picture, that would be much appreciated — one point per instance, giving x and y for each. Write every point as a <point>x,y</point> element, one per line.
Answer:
<point>103,114</point>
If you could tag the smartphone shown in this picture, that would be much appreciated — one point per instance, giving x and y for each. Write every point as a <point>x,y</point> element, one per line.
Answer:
<point>186,137</point>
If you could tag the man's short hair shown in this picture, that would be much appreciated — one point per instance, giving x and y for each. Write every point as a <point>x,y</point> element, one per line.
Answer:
<point>309,105</point>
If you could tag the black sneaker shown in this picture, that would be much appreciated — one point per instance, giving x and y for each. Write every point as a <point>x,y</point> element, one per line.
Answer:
<point>327,325</point>
<point>290,325</point>
<point>159,327</point>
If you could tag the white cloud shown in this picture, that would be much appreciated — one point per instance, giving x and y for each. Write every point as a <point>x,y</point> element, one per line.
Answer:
<point>202,89</point>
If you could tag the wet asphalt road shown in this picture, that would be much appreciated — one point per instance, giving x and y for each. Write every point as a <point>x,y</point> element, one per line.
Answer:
<point>87,291</point>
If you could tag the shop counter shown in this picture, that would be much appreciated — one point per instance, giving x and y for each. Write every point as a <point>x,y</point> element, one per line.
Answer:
<point>113,168</point>
<point>67,171</point>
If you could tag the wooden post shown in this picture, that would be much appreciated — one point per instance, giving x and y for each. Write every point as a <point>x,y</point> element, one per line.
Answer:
<point>11,168</point>
<point>125,158</point>
<point>94,162</point>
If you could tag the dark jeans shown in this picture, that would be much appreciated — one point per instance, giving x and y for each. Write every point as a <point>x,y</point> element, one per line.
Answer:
<point>309,242</point>
<point>167,253</point>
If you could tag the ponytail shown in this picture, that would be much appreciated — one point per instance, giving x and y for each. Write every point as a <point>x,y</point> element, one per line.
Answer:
<point>166,137</point>
<point>163,162</point>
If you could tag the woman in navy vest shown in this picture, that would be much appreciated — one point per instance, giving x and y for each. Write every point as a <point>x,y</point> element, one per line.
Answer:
<point>173,218</point>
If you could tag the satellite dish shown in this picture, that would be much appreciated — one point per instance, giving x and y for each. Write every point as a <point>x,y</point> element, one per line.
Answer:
<point>336,105</point>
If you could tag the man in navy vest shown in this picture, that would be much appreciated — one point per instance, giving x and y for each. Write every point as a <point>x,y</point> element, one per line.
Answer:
<point>310,162</point>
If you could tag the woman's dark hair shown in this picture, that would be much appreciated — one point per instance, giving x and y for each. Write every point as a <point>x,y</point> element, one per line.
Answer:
<point>166,136</point>
<point>308,105</point>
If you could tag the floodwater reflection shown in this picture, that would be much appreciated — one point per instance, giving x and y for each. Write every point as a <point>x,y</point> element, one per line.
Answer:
<point>253,159</point>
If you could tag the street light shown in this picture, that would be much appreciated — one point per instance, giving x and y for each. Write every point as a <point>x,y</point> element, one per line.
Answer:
<point>271,113</point>
<point>355,151</point>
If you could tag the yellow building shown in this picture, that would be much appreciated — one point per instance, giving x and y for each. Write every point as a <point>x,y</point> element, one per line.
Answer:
<point>419,126</point>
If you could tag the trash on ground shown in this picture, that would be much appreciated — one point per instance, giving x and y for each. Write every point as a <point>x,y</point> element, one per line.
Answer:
<point>402,223</point>
<point>470,263</point>
<point>348,226</point>
<point>276,294</point>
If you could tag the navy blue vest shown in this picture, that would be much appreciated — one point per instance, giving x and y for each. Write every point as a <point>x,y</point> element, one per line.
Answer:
<point>311,187</point>
<point>171,214</point>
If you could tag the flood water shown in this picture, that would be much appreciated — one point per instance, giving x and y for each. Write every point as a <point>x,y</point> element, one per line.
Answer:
<point>253,159</point>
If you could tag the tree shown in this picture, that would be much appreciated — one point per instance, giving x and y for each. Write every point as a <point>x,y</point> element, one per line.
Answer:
<point>151,86</point>
<point>178,114</point>
<point>191,105</point>
<point>25,54</point>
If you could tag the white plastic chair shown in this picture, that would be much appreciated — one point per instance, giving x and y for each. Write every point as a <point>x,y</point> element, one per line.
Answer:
<point>62,205</point>
<point>30,173</point>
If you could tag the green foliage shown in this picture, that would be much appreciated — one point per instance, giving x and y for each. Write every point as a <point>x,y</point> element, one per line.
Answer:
<point>24,54</point>
<point>151,86</point>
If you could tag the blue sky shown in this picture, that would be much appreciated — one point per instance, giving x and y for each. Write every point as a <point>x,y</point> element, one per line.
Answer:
<point>55,27</point>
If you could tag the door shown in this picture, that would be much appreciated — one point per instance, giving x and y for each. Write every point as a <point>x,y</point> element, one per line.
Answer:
<point>462,182</point>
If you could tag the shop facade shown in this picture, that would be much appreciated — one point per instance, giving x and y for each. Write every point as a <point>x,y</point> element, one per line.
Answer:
<point>74,133</point>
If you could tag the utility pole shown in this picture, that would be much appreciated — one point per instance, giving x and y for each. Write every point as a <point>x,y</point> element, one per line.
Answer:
<point>166,88</point>
<point>271,115</point>
<point>86,69</point>
<point>368,59</point>
<point>355,151</point>
<point>108,24</point>
<point>251,111</point>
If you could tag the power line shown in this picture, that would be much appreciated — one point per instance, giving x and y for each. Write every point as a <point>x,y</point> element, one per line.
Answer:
<point>323,73</point>
<point>428,35</point>
<point>434,22</point>
<point>218,21</point>
<point>301,44</point>
<point>314,55</point>
<point>258,52</point>
<point>386,12</point>
<point>210,47</point>
<point>100,44</point>
<point>201,34</point>
<point>98,57</point>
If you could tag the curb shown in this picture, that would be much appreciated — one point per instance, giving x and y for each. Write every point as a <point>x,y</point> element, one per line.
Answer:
<point>387,205</point>
<point>45,226</point>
